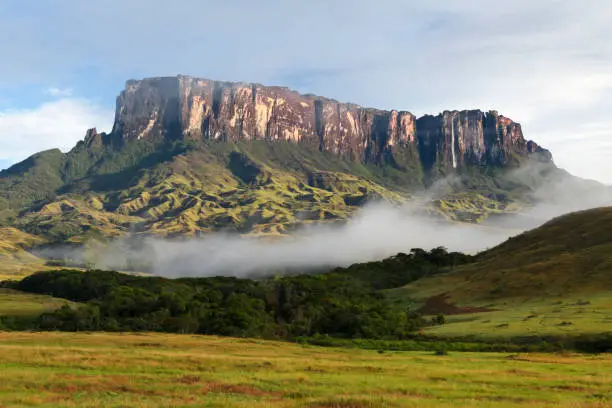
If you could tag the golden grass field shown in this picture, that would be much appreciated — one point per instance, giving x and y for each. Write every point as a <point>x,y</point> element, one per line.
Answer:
<point>146,370</point>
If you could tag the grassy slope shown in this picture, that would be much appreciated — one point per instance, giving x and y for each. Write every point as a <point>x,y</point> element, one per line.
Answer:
<point>201,190</point>
<point>554,280</point>
<point>15,303</point>
<point>546,317</point>
<point>138,370</point>
<point>16,262</point>
<point>252,187</point>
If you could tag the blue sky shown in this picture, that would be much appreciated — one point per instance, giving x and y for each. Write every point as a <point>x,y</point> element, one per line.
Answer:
<point>546,64</point>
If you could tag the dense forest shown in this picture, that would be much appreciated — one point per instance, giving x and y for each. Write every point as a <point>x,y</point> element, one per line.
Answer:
<point>343,303</point>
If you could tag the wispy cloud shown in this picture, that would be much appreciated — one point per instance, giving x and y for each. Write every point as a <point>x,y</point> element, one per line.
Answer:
<point>58,92</point>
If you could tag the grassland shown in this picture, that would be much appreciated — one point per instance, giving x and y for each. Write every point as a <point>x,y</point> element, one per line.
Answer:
<point>138,370</point>
<point>16,265</point>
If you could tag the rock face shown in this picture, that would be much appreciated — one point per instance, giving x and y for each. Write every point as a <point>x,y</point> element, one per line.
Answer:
<point>472,137</point>
<point>198,109</point>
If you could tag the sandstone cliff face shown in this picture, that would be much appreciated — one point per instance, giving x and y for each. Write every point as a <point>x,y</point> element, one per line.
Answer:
<point>460,138</point>
<point>199,109</point>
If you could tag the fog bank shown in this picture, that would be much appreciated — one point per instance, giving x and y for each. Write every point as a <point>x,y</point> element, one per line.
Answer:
<point>379,230</point>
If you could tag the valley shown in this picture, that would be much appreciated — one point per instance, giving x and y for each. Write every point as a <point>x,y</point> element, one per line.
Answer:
<point>521,292</point>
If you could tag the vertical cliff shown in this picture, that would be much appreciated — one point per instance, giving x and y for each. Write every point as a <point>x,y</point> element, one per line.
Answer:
<point>195,109</point>
<point>455,139</point>
<point>200,109</point>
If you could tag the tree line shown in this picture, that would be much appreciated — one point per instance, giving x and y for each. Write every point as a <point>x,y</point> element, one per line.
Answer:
<point>343,303</point>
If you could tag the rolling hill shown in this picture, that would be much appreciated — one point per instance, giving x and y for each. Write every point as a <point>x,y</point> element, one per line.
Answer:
<point>551,280</point>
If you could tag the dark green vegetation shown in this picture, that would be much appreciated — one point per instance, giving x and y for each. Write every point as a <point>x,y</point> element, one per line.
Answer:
<point>344,303</point>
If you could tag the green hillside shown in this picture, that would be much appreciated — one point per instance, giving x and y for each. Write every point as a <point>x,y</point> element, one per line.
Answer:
<point>552,280</point>
<point>248,187</point>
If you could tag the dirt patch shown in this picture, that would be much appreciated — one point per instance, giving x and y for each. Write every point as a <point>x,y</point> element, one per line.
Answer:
<point>189,379</point>
<point>572,388</point>
<point>237,389</point>
<point>342,404</point>
<point>97,387</point>
<point>153,345</point>
<point>440,304</point>
<point>522,373</point>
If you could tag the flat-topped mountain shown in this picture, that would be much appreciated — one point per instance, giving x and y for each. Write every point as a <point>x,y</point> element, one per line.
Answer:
<point>188,156</point>
<point>186,108</point>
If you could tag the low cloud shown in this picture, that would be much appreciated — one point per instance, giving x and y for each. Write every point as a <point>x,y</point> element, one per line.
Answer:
<point>380,230</point>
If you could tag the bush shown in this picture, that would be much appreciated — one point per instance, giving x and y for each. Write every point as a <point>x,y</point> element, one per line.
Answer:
<point>441,351</point>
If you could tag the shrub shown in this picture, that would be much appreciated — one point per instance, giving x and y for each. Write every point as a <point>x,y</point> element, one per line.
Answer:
<point>441,351</point>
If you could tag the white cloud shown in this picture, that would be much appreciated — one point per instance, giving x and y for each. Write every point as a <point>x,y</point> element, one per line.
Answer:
<point>60,92</point>
<point>57,124</point>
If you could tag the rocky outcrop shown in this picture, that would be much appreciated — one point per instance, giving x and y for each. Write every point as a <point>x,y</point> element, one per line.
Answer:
<point>198,109</point>
<point>95,139</point>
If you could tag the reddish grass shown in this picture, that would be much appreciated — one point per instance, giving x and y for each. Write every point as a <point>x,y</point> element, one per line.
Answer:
<point>439,304</point>
<point>243,389</point>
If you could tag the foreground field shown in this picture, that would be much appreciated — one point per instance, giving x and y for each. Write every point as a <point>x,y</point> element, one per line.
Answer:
<point>138,370</point>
